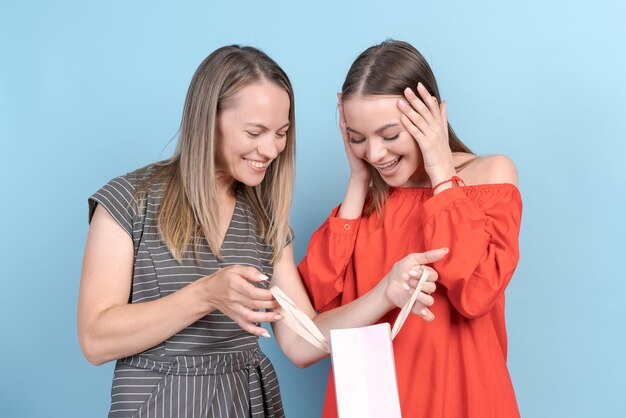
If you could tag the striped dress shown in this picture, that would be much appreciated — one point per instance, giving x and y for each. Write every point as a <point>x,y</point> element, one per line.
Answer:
<point>212,368</point>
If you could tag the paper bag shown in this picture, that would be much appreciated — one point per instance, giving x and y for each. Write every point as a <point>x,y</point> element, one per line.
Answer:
<point>363,363</point>
<point>365,373</point>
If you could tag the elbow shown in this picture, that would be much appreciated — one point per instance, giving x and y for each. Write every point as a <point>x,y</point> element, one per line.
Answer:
<point>301,363</point>
<point>295,354</point>
<point>296,358</point>
<point>91,351</point>
<point>476,308</point>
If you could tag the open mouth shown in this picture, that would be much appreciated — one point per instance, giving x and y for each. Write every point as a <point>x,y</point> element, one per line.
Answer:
<point>388,166</point>
<point>259,165</point>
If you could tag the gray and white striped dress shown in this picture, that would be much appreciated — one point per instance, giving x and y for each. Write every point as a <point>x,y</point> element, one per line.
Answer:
<point>212,368</point>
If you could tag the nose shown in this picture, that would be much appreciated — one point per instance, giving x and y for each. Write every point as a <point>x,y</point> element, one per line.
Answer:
<point>376,150</point>
<point>267,147</point>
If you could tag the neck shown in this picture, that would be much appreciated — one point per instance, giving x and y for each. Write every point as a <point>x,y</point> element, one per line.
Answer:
<point>419,178</point>
<point>226,186</point>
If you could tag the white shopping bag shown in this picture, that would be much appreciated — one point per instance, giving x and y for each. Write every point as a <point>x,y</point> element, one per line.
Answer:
<point>365,372</point>
<point>363,363</point>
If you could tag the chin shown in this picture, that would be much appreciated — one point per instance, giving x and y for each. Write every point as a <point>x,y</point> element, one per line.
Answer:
<point>251,181</point>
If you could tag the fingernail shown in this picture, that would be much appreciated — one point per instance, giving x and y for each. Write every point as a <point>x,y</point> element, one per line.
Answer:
<point>278,317</point>
<point>263,277</point>
<point>413,273</point>
<point>420,85</point>
<point>266,334</point>
<point>405,286</point>
<point>407,90</point>
<point>402,103</point>
<point>423,312</point>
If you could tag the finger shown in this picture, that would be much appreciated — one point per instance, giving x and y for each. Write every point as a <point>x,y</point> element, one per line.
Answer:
<point>415,271</point>
<point>249,320</point>
<point>424,299</point>
<point>429,288</point>
<point>414,117</point>
<point>413,130</point>
<point>432,274</point>
<point>263,304</point>
<point>257,317</point>
<point>431,256</point>
<point>425,313</point>
<point>431,101</point>
<point>444,113</point>
<point>255,294</point>
<point>419,106</point>
<point>254,329</point>
<point>250,273</point>
<point>344,132</point>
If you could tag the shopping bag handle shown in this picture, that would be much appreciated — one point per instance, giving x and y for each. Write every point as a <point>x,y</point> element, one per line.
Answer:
<point>301,324</point>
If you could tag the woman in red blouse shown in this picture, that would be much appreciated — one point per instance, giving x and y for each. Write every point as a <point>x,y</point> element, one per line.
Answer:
<point>415,186</point>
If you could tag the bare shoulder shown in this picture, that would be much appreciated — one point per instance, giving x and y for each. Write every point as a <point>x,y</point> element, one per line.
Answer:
<point>490,169</point>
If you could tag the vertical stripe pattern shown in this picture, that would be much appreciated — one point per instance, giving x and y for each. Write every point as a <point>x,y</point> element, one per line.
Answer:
<point>212,368</point>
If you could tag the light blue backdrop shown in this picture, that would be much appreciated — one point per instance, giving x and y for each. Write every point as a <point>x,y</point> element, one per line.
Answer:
<point>91,90</point>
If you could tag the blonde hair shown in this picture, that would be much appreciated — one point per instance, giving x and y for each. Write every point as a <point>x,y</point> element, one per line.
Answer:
<point>387,69</point>
<point>190,205</point>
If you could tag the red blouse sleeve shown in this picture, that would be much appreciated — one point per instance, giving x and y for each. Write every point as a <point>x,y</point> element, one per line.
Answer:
<point>482,235</point>
<point>328,261</point>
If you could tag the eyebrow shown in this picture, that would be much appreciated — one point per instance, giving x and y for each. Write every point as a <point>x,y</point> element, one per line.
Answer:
<point>378,131</point>
<point>265,128</point>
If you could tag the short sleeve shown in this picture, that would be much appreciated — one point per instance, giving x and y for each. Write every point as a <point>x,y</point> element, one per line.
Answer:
<point>117,197</point>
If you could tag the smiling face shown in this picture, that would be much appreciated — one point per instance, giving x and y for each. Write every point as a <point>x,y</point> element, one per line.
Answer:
<point>251,133</point>
<point>378,137</point>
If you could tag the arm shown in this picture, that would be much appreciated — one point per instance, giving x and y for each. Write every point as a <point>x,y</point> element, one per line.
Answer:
<point>358,184</point>
<point>110,328</point>
<point>483,239</point>
<point>325,266</point>
<point>393,290</point>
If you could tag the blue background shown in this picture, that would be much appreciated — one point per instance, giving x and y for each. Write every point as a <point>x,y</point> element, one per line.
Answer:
<point>91,90</point>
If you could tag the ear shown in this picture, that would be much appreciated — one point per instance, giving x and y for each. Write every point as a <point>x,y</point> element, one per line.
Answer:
<point>339,96</point>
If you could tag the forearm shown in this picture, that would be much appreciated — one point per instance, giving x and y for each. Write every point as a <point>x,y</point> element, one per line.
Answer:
<point>123,330</point>
<point>364,311</point>
<point>354,199</point>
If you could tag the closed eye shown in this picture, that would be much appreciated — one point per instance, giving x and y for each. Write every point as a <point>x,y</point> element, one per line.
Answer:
<point>253,134</point>
<point>357,140</point>
<point>391,138</point>
<point>281,134</point>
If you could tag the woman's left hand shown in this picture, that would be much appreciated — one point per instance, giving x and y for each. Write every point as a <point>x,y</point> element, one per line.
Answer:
<point>403,278</point>
<point>426,120</point>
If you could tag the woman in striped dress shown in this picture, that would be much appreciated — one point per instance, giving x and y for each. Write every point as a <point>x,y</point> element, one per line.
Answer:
<point>180,253</point>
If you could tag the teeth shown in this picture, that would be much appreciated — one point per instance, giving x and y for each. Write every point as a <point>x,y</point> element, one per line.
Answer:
<point>389,164</point>
<point>257,164</point>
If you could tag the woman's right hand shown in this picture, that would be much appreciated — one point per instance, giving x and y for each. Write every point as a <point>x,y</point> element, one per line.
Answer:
<point>358,167</point>
<point>231,290</point>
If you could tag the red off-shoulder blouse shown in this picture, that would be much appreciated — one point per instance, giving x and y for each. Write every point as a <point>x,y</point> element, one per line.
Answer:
<point>454,366</point>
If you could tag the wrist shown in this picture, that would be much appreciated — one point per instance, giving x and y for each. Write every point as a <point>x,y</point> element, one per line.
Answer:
<point>441,176</point>
<point>359,180</point>
<point>383,294</point>
<point>199,296</point>
<point>453,181</point>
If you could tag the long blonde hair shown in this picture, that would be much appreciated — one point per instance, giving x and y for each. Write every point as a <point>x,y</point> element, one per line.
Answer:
<point>387,69</point>
<point>190,205</point>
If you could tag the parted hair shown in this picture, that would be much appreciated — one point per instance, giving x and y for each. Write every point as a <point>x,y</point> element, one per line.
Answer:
<point>190,205</point>
<point>388,69</point>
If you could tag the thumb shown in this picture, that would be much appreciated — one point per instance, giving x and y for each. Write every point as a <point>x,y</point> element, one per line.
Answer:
<point>431,256</point>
